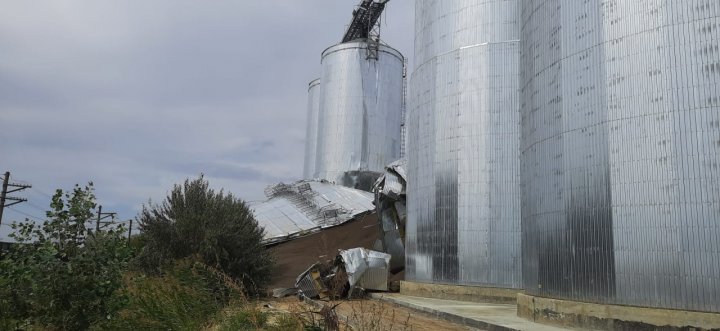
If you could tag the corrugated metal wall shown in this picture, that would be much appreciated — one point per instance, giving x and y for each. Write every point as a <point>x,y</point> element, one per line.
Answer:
<point>620,108</point>
<point>360,113</point>
<point>311,133</point>
<point>463,145</point>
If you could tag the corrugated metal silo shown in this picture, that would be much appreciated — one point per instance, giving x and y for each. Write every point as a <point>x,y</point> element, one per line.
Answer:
<point>360,113</point>
<point>621,152</point>
<point>311,133</point>
<point>463,145</point>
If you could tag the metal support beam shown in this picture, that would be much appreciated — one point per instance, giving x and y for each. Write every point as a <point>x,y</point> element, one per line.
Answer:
<point>365,18</point>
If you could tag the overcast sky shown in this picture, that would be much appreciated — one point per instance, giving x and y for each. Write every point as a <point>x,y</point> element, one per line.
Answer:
<point>138,95</point>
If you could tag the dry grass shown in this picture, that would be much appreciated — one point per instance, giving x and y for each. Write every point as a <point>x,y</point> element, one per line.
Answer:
<point>369,315</point>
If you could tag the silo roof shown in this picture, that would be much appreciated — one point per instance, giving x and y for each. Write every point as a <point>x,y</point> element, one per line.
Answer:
<point>307,206</point>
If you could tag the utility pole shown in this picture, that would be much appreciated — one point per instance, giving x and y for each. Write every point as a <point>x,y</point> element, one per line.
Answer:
<point>101,216</point>
<point>129,231</point>
<point>3,196</point>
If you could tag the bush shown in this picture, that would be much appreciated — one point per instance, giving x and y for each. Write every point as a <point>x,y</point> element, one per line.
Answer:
<point>63,276</point>
<point>217,228</point>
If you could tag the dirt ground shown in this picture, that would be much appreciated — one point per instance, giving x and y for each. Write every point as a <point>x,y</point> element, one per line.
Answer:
<point>294,257</point>
<point>367,314</point>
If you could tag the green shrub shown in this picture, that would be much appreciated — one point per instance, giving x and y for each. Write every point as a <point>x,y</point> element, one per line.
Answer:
<point>217,228</point>
<point>63,276</point>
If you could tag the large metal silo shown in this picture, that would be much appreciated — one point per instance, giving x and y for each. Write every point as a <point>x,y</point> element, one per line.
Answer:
<point>620,107</point>
<point>360,113</point>
<point>463,145</point>
<point>311,133</point>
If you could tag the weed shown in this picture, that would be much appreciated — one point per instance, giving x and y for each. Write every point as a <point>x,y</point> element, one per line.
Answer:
<point>375,316</point>
<point>249,319</point>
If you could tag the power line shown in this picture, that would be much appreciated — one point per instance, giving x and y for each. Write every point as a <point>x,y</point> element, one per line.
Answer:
<point>37,207</point>
<point>35,218</point>
<point>42,193</point>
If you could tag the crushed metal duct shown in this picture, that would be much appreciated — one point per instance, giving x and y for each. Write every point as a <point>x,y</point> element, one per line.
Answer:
<point>366,268</point>
<point>392,212</point>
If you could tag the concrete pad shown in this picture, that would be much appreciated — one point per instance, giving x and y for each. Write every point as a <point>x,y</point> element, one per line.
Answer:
<point>487,316</point>
<point>460,292</point>
<point>612,317</point>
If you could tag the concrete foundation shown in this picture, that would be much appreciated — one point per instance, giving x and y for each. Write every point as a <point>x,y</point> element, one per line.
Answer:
<point>460,293</point>
<point>612,317</point>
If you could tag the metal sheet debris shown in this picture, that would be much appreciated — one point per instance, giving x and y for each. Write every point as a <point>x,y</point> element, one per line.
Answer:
<point>351,270</point>
<point>308,283</point>
<point>366,268</point>
<point>391,209</point>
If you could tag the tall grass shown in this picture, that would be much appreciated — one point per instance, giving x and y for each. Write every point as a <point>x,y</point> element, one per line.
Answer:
<point>186,297</point>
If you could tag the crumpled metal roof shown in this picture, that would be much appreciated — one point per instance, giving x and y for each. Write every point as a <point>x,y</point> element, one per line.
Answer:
<point>307,206</point>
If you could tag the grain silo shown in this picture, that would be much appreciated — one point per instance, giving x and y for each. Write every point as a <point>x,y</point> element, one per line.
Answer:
<point>463,145</point>
<point>313,109</point>
<point>620,107</point>
<point>360,102</point>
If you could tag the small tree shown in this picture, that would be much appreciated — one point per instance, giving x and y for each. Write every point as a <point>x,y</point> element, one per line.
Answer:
<point>61,275</point>
<point>214,227</point>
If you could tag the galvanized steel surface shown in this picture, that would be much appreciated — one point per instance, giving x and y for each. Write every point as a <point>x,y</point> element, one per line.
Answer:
<point>311,127</point>
<point>463,145</point>
<point>307,206</point>
<point>620,112</point>
<point>360,114</point>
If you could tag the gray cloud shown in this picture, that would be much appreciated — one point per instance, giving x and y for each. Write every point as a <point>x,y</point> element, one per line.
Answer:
<point>139,95</point>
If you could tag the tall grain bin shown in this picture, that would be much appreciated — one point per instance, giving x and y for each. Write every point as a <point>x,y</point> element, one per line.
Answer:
<point>360,113</point>
<point>463,145</point>
<point>620,107</point>
<point>311,132</point>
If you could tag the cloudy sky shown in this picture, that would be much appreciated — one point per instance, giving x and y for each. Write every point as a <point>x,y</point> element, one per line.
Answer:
<point>138,95</point>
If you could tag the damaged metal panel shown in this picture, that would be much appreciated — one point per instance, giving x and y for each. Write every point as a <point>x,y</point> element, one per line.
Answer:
<point>463,145</point>
<point>390,205</point>
<point>311,134</point>
<point>366,268</point>
<point>360,114</point>
<point>351,269</point>
<point>304,207</point>
<point>308,283</point>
